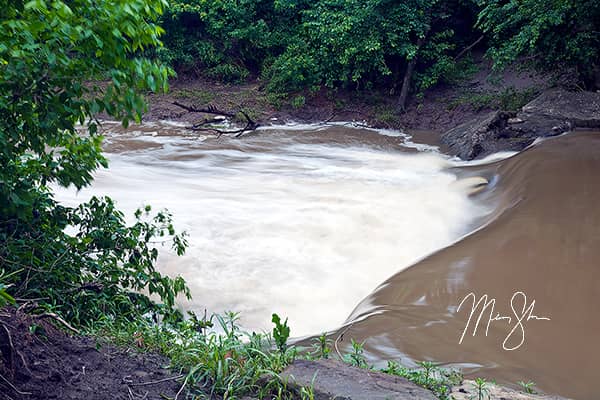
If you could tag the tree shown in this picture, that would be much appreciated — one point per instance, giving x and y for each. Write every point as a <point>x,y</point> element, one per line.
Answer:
<point>295,45</point>
<point>556,36</point>
<point>224,39</point>
<point>361,44</point>
<point>61,64</point>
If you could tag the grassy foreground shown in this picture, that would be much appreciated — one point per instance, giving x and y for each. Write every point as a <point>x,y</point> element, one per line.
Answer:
<point>218,359</point>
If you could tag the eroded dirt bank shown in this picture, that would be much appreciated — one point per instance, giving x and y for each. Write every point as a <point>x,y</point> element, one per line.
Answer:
<point>440,108</point>
<point>472,119</point>
<point>39,362</point>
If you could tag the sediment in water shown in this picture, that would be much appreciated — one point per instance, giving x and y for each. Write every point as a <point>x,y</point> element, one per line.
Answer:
<point>543,240</point>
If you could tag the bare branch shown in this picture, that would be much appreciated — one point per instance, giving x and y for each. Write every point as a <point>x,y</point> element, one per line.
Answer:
<point>469,47</point>
<point>57,318</point>
<point>204,125</point>
<point>171,378</point>
<point>208,110</point>
<point>10,385</point>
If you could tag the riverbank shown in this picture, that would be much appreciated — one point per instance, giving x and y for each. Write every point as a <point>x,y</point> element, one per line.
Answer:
<point>39,360</point>
<point>440,108</point>
<point>437,112</point>
<point>471,120</point>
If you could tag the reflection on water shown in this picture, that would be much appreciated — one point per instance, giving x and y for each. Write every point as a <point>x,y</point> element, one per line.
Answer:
<point>308,222</point>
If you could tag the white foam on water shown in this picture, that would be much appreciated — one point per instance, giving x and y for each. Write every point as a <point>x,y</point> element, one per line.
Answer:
<point>304,230</point>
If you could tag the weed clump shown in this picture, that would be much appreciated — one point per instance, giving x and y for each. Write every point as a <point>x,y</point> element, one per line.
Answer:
<point>218,358</point>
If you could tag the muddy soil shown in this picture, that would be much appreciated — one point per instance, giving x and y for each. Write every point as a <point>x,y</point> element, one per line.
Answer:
<point>441,108</point>
<point>438,111</point>
<point>39,361</point>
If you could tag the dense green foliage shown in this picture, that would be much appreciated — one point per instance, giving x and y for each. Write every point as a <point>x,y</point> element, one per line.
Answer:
<point>297,44</point>
<point>550,35</point>
<point>84,261</point>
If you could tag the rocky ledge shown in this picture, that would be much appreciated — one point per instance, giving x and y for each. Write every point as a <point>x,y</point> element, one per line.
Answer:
<point>331,379</point>
<point>552,113</point>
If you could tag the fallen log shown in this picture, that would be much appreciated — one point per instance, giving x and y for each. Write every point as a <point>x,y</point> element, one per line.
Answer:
<point>204,125</point>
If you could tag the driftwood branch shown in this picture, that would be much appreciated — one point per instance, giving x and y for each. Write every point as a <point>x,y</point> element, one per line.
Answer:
<point>469,47</point>
<point>10,385</point>
<point>208,110</point>
<point>57,318</point>
<point>204,125</point>
<point>171,378</point>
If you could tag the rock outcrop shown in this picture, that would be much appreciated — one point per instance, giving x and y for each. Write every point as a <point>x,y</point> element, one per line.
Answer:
<point>552,113</point>
<point>335,380</point>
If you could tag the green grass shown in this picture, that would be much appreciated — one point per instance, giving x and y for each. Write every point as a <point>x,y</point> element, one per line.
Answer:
<point>510,99</point>
<point>298,102</point>
<point>198,96</point>
<point>387,114</point>
<point>218,359</point>
<point>5,298</point>
<point>527,387</point>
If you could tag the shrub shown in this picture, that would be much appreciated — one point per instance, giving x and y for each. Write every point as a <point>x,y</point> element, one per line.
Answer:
<point>83,261</point>
<point>297,44</point>
<point>551,36</point>
<point>229,73</point>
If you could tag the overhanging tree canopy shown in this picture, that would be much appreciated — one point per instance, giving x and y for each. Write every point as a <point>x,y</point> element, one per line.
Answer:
<point>50,51</point>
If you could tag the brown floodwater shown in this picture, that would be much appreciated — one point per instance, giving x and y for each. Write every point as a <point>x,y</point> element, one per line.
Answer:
<point>543,240</point>
<point>282,218</point>
<point>342,226</point>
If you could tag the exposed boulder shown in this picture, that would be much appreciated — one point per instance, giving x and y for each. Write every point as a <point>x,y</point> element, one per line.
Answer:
<point>335,380</point>
<point>481,136</point>
<point>552,113</point>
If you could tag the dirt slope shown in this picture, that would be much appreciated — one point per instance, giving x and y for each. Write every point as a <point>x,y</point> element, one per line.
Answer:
<point>39,361</point>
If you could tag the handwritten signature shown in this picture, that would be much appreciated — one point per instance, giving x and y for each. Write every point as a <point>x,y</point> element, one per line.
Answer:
<point>516,337</point>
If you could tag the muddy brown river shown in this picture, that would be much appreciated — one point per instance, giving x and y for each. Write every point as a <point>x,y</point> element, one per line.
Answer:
<point>367,234</point>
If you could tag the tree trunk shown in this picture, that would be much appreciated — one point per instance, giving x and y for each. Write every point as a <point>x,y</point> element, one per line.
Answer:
<point>406,83</point>
<point>410,69</point>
